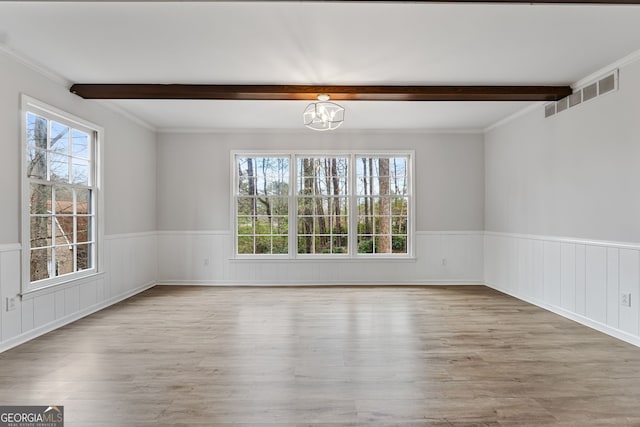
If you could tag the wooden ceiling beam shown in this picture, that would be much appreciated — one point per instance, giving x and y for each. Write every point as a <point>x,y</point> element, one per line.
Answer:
<point>310,92</point>
<point>609,2</point>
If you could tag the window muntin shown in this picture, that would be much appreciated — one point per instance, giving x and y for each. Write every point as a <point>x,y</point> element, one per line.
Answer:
<point>61,192</point>
<point>338,204</point>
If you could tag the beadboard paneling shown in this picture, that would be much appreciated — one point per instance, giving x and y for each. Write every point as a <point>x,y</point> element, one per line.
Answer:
<point>206,258</point>
<point>130,265</point>
<point>579,279</point>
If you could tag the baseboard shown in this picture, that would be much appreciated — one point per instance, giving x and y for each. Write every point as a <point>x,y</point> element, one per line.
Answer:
<point>302,284</point>
<point>598,326</point>
<point>36,332</point>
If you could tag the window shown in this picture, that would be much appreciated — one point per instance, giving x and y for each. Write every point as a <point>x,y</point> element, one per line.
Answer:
<point>263,205</point>
<point>60,197</point>
<point>383,204</point>
<point>323,215</point>
<point>338,205</point>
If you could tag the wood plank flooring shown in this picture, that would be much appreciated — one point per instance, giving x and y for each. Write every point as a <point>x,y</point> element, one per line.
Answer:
<point>326,356</point>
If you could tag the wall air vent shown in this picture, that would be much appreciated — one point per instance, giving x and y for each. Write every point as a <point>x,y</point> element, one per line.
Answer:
<point>594,89</point>
<point>550,109</point>
<point>590,92</point>
<point>575,98</point>
<point>606,84</point>
<point>562,104</point>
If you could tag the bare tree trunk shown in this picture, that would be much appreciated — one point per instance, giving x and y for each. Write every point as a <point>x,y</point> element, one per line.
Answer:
<point>265,200</point>
<point>252,186</point>
<point>366,199</point>
<point>307,167</point>
<point>40,226</point>
<point>371,207</point>
<point>320,210</point>
<point>336,192</point>
<point>384,229</point>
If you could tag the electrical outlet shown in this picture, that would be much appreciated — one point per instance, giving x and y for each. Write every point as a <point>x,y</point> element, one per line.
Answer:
<point>11,303</point>
<point>206,261</point>
<point>625,300</point>
<point>444,262</point>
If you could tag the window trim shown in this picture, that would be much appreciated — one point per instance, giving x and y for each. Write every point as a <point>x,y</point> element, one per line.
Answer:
<point>293,155</point>
<point>29,104</point>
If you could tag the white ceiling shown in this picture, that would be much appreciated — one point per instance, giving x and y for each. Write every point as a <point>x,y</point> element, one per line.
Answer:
<point>319,43</point>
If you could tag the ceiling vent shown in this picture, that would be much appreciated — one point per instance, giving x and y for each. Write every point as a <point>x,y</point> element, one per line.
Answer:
<point>594,89</point>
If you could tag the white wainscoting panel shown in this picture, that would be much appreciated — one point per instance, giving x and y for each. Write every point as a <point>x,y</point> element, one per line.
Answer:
<point>207,258</point>
<point>630,283</point>
<point>579,279</point>
<point>130,266</point>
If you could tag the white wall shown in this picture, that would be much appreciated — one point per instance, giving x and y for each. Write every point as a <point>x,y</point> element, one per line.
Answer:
<point>194,211</point>
<point>129,208</point>
<point>563,208</point>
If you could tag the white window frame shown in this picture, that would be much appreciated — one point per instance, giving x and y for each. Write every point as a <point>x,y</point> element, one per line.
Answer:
<point>34,106</point>
<point>352,197</point>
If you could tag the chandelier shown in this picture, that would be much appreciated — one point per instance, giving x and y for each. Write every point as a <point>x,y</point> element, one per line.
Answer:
<point>323,115</point>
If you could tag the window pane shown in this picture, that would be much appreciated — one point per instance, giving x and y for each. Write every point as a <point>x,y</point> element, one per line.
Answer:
<point>64,200</point>
<point>40,231</point>
<point>263,225</point>
<point>340,225</point>
<point>399,244</point>
<point>245,244</point>
<point>365,244</point>
<point>59,138</point>
<point>340,244</point>
<point>383,244</point>
<point>305,225</point>
<point>80,144</point>
<point>365,205</point>
<point>36,163</point>
<point>59,168</point>
<point>305,206</point>
<point>399,225</point>
<point>365,224</point>
<point>305,244</point>
<point>79,171</point>
<point>279,205</point>
<point>37,131</point>
<point>280,225</point>
<point>322,245</point>
<point>84,231</point>
<point>280,245</point>
<point>84,257</point>
<point>39,264</point>
<point>64,260</point>
<point>263,206</point>
<point>321,225</point>
<point>245,225</point>
<point>63,226</point>
<point>246,206</point>
<point>263,244</point>
<point>382,225</point>
<point>40,199</point>
<point>83,201</point>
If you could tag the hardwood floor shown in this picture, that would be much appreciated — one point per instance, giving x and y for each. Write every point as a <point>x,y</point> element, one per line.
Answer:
<point>326,356</point>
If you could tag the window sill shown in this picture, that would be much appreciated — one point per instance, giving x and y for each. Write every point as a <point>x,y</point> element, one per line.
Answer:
<point>47,289</point>
<point>324,259</point>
